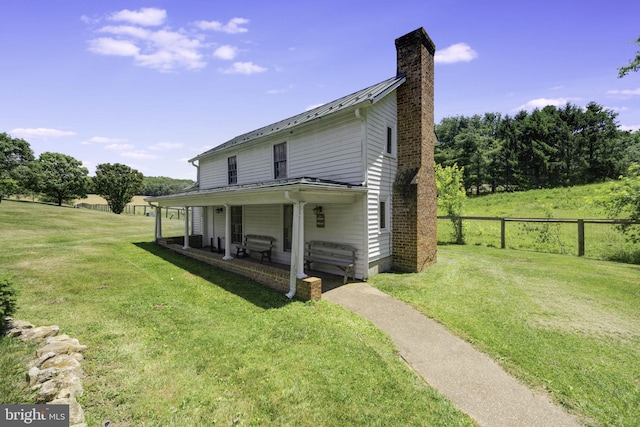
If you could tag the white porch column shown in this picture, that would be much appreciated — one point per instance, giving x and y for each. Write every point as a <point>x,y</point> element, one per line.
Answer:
<point>186,228</point>
<point>158,223</point>
<point>227,233</point>
<point>300,266</point>
<point>295,251</point>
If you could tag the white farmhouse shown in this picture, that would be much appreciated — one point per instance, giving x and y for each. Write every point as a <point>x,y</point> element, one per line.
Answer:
<point>356,172</point>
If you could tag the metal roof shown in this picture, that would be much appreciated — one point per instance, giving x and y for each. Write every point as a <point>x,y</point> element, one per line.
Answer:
<point>371,94</point>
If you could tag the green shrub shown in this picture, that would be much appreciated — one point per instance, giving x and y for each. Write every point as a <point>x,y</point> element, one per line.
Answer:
<point>7,300</point>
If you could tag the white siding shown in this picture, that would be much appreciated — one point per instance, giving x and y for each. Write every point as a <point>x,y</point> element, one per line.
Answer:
<point>381,171</point>
<point>331,150</point>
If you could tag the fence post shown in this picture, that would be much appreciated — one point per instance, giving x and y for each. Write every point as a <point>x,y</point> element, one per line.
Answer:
<point>580,237</point>
<point>459,230</point>
<point>502,233</point>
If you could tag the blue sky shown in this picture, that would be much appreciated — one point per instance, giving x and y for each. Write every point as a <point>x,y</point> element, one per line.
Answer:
<point>153,83</point>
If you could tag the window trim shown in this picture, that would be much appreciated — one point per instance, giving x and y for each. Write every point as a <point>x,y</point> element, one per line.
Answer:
<point>384,214</point>
<point>391,141</point>
<point>275,161</point>
<point>229,170</point>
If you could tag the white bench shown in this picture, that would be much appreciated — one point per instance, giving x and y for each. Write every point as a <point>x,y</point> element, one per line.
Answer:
<point>336,254</point>
<point>256,243</point>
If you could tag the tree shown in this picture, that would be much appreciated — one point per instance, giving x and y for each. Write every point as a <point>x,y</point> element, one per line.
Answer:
<point>62,178</point>
<point>634,64</point>
<point>117,183</point>
<point>622,200</point>
<point>15,154</point>
<point>451,192</point>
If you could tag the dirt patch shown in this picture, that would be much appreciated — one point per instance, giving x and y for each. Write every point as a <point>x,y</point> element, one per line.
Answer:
<point>571,313</point>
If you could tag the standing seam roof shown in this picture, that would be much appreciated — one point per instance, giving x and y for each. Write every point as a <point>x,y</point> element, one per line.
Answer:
<point>371,94</point>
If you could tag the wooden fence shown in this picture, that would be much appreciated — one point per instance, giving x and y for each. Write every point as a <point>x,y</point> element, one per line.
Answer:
<point>579,230</point>
<point>135,210</point>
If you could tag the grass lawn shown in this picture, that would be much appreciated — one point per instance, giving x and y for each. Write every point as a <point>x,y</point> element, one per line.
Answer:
<point>176,343</point>
<point>565,324</point>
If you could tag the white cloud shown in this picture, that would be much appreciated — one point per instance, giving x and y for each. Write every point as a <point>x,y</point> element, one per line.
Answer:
<point>166,146</point>
<point>126,30</point>
<point>234,26</point>
<point>244,68</point>
<point>139,154</point>
<point>147,16</point>
<point>226,52</point>
<point>624,92</point>
<point>543,102</point>
<point>105,140</point>
<point>631,128</point>
<point>119,147</point>
<point>109,46</point>
<point>279,91</point>
<point>459,52</point>
<point>164,49</point>
<point>40,133</point>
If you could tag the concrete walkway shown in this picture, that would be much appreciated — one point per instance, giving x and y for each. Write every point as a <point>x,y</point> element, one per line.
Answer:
<point>470,379</point>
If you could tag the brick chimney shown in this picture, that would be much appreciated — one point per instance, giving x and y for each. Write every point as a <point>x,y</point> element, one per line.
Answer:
<point>414,192</point>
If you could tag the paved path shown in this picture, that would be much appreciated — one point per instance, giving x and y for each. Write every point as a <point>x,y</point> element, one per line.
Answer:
<point>470,379</point>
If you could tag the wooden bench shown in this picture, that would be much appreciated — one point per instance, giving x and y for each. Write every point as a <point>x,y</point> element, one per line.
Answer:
<point>256,243</point>
<point>336,254</point>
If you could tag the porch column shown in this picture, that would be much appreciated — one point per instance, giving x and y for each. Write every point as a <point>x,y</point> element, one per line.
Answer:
<point>158,223</point>
<point>227,233</point>
<point>300,267</point>
<point>186,228</point>
<point>295,251</point>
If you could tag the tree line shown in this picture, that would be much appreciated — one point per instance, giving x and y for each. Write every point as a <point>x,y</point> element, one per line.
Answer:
<point>545,148</point>
<point>60,178</point>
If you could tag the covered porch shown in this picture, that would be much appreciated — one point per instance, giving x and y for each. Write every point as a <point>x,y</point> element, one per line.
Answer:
<point>289,210</point>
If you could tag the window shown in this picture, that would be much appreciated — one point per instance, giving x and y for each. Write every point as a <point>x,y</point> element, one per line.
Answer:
<point>232,167</point>
<point>280,161</point>
<point>383,214</point>
<point>390,140</point>
<point>236,224</point>
<point>288,227</point>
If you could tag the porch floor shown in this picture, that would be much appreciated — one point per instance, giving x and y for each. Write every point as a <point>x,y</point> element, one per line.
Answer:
<point>329,281</point>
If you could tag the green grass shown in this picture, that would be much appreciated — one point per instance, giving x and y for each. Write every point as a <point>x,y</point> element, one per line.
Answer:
<point>561,323</point>
<point>173,342</point>
<point>602,241</point>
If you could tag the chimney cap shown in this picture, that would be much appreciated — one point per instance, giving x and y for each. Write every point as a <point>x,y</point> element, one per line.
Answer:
<point>416,36</point>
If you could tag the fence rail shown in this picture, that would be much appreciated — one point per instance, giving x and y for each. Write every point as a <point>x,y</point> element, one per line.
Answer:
<point>549,234</point>
<point>135,209</point>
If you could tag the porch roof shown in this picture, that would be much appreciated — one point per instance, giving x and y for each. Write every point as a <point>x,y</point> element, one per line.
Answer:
<point>305,189</point>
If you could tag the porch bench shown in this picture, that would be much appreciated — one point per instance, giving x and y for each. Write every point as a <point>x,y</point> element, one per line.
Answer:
<point>336,254</point>
<point>256,243</point>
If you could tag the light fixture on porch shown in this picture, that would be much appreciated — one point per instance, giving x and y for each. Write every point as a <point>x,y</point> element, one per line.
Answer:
<point>218,210</point>
<point>317,210</point>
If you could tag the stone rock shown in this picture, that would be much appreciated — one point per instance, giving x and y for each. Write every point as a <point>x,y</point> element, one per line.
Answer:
<point>61,361</point>
<point>76,414</point>
<point>40,333</point>
<point>43,358</point>
<point>61,347</point>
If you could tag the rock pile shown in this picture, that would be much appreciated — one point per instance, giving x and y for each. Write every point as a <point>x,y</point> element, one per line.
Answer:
<point>57,373</point>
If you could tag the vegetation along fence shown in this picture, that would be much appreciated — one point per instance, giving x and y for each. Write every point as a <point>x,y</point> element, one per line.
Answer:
<point>597,238</point>
<point>136,210</point>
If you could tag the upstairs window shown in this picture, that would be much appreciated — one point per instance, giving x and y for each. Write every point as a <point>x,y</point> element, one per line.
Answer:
<point>232,167</point>
<point>389,140</point>
<point>280,161</point>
